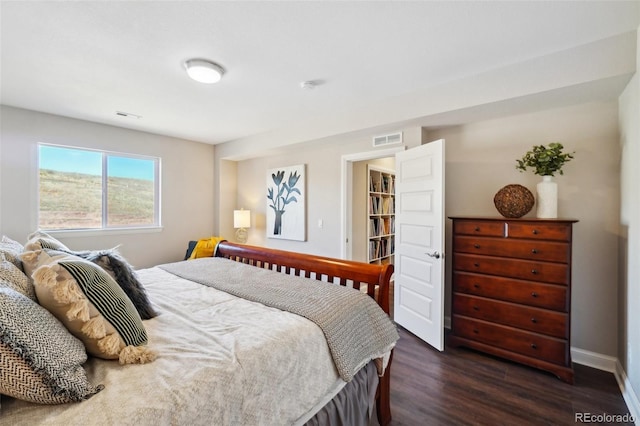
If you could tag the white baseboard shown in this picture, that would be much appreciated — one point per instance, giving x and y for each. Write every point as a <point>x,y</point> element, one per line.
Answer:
<point>611,365</point>
<point>594,360</point>
<point>628,393</point>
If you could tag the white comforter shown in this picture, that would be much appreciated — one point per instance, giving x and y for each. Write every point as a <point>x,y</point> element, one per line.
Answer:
<point>221,360</point>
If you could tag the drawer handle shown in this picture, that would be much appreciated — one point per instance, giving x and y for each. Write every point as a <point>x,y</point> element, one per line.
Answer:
<point>477,265</point>
<point>476,246</point>
<point>533,320</point>
<point>476,331</point>
<point>476,285</point>
<point>534,271</point>
<point>534,251</point>
<point>535,232</point>
<point>475,308</point>
<point>534,294</point>
<point>534,346</point>
<point>477,229</point>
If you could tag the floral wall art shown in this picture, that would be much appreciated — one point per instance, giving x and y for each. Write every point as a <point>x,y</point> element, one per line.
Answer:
<point>286,203</point>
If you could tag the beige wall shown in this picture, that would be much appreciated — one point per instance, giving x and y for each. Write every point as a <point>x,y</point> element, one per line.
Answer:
<point>323,161</point>
<point>480,159</point>
<point>323,177</point>
<point>629,298</point>
<point>226,188</point>
<point>187,183</point>
<point>359,210</point>
<point>322,195</point>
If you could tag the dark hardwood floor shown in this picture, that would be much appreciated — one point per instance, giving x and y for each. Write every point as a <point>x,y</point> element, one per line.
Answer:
<point>463,387</point>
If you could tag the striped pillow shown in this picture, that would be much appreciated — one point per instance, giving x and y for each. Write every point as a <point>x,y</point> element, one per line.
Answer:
<point>93,307</point>
<point>42,240</point>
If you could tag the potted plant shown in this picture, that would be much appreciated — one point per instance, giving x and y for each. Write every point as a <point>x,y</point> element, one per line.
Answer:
<point>546,161</point>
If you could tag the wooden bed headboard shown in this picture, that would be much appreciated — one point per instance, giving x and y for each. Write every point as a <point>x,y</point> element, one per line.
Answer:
<point>344,272</point>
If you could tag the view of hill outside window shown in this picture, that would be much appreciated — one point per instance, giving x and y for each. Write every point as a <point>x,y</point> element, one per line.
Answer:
<point>87,189</point>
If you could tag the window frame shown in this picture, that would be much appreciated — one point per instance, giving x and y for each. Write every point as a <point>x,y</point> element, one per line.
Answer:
<point>156,226</point>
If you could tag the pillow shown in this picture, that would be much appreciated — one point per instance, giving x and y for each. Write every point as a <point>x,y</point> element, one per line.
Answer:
<point>116,266</point>
<point>12,277</point>
<point>31,260</point>
<point>39,360</point>
<point>11,250</point>
<point>191,245</point>
<point>41,240</point>
<point>110,260</point>
<point>93,307</point>
<point>206,247</point>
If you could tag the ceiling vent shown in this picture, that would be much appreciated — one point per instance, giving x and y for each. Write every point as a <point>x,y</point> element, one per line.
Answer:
<point>390,139</point>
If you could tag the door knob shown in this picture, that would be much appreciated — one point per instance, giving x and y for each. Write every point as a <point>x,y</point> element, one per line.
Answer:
<point>435,255</point>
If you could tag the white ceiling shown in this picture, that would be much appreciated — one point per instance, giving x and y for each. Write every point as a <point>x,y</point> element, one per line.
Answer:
<point>88,60</point>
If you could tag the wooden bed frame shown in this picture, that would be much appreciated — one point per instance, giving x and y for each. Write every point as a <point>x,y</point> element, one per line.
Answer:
<point>359,275</point>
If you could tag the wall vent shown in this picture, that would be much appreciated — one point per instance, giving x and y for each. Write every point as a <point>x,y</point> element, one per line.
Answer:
<point>390,139</point>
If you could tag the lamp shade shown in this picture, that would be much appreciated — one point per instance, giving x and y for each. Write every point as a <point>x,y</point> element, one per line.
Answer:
<point>242,218</point>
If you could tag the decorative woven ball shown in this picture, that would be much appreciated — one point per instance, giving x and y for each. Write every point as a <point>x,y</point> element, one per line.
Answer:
<point>514,201</point>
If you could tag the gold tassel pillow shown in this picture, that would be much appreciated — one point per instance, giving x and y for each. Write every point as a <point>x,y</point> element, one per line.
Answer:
<point>92,306</point>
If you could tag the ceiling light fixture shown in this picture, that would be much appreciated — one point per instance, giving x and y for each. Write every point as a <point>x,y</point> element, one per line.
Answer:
<point>203,71</point>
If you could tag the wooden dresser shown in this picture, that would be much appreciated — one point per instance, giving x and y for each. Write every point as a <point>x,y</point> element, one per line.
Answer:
<point>512,290</point>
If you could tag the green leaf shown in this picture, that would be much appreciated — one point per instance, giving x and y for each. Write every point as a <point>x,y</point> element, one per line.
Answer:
<point>545,161</point>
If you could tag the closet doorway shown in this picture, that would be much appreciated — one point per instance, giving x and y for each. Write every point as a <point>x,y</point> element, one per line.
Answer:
<point>354,221</point>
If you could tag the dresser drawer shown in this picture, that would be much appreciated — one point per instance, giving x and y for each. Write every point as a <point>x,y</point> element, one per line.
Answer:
<point>523,342</point>
<point>541,321</point>
<point>538,230</point>
<point>523,249</point>
<point>488,228</point>
<point>547,296</point>
<point>546,272</point>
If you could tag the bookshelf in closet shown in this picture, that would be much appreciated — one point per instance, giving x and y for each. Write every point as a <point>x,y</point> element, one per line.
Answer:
<point>381,195</point>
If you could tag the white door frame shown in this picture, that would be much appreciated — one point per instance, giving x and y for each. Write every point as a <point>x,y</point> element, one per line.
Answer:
<point>346,197</point>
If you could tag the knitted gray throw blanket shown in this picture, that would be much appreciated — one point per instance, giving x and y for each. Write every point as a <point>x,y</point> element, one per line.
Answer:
<point>355,327</point>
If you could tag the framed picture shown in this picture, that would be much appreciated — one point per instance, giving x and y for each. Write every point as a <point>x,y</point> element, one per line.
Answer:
<point>286,203</point>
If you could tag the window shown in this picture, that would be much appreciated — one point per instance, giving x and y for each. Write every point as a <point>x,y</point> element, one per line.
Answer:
<point>88,189</point>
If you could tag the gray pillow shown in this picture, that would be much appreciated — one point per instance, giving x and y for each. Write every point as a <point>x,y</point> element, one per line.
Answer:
<point>40,361</point>
<point>11,249</point>
<point>11,276</point>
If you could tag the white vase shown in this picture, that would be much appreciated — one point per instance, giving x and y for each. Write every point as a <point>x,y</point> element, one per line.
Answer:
<point>547,200</point>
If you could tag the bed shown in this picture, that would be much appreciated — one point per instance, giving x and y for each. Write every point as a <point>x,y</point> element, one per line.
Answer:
<point>226,352</point>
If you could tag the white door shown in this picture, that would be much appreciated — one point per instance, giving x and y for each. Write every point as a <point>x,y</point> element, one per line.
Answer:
<point>419,245</point>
